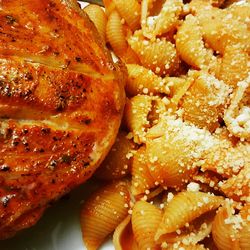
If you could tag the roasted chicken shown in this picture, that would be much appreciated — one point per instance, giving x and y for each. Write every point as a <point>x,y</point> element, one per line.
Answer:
<point>61,103</point>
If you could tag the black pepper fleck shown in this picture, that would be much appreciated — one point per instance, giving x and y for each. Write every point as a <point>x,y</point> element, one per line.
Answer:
<point>4,168</point>
<point>78,59</point>
<point>66,159</point>
<point>10,19</point>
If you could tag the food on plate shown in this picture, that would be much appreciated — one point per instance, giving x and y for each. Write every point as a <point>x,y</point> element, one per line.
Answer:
<point>130,11</point>
<point>183,209</point>
<point>116,165</point>
<point>187,116</point>
<point>123,238</point>
<point>228,229</point>
<point>103,212</point>
<point>115,34</point>
<point>61,103</point>
<point>143,228</point>
<point>98,17</point>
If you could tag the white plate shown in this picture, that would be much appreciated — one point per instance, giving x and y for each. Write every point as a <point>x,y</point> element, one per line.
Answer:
<point>59,228</point>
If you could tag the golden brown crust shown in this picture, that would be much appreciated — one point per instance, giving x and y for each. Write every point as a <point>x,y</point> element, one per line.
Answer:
<point>61,102</point>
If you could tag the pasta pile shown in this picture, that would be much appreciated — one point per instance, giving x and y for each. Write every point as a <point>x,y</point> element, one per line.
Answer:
<point>178,175</point>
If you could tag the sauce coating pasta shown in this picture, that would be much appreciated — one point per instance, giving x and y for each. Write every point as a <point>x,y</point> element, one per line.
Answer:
<point>186,127</point>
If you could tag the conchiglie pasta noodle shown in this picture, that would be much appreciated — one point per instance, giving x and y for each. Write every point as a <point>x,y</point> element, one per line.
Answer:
<point>143,81</point>
<point>238,186</point>
<point>224,159</point>
<point>168,16</point>
<point>136,114</point>
<point>228,71</point>
<point>190,46</point>
<point>166,20</point>
<point>231,231</point>
<point>196,231</point>
<point>103,212</point>
<point>145,221</point>
<point>160,55</point>
<point>169,163</point>
<point>244,235</point>
<point>184,208</point>
<point>221,231</point>
<point>175,149</point>
<point>130,10</point>
<point>221,30</point>
<point>98,17</point>
<point>205,100</point>
<point>115,34</point>
<point>237,116</point>
<point>123,238</point>
<point>141,178</point>
<point>116,165</point>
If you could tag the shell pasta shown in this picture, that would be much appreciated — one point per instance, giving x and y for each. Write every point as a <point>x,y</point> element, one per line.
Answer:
<point>98,17</point>
<point>190,45</point>
<point>233,55</point>
<point>141,177</point>
<point>184,141</point>
<point>130,11</point>
<point>151,54</point>
<point>115,34</point>
<point>116,165</point>
<point>238,186</point>
<point>123,237</point>
<point>143,81</point>
<point>141,106</point>
<point>145,220</point>
<point>184,208</point>
<point>165,21</point>
<point>167,168</point>
<point>238,110</point>
<point>231,230</point>
<point>193,232</point>
<point>205,101</point>
<point>103,212</point>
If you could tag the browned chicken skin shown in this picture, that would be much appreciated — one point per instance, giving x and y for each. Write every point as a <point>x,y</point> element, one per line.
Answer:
<point>61,102</point>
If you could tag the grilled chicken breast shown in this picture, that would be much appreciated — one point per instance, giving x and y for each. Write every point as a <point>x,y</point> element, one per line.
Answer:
<point>61,102</point>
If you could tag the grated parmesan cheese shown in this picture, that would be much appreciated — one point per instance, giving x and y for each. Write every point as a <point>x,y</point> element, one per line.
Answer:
<point>193,187</point>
